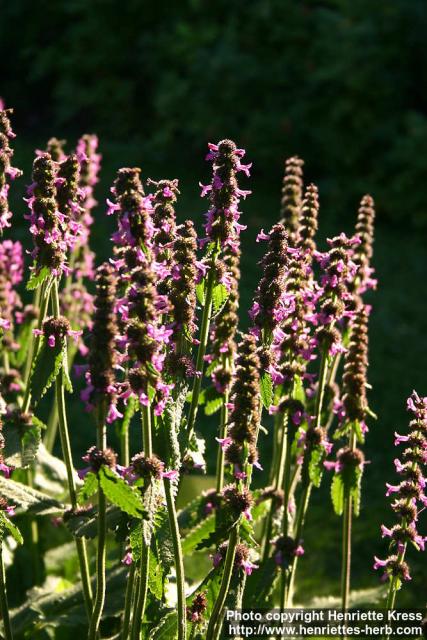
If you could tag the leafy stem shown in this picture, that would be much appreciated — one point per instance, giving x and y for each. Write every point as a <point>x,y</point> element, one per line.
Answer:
<point>179,562</point>
<point>3,599</point>
<point>223,423</point>
<point>67,455</point>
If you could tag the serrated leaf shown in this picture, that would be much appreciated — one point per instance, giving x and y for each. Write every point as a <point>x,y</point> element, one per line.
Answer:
<point>130,411</point>
<point>84,524</point>
<point>36,279</point>
<point>116,489</point>
<point>211,367</point>
<point>135,539</point>
<point>155,577</point>
<point>163,541</point>
<point>213,400</point>
<point>261,585</point>
<point>315,465</point>
<point>65,371</point>
<point>22,442</point>
<point>47,366</point>
<point>220,296</point>
<point>266,388</point>
<point>200,292</point>
<point>337,494</point>
<point>199,533</point>
<point>7,525</point>
<point>28,499</point>
<point>89,488</point>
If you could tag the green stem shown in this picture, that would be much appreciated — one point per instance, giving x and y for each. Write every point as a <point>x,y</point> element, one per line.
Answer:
<point>4,606</point>
<point>99,601</point>
<point>222,433</point>
<point>215,622</point>
<point>299,525</point>
<point>200,362</point>
<point>51,429</point>
<point>141,585</point>
<point>179,562</point>
<point>128,602</point>
<point>35,343</point>
<point>346,542</point>
<point>30,352</point>
<point>68,460</point>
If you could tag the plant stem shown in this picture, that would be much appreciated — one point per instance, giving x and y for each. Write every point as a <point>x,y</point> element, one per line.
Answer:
<point>99,601</point>
<point>35,343</point>
<point>222,432</point>
<point>4,606</point>
<point>68,460</point>
<point>200,362</point>
<point>128,602</point>
<point>179,562</point>
<point>305,497</point>
<point>346,542</point>
<point>215,622</point>
<point>141,585</point>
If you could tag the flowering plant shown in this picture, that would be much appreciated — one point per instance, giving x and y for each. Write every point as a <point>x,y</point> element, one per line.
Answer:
<point>151,339</point>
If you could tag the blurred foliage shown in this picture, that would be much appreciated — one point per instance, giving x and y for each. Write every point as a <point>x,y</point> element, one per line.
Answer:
<point>336,82</point>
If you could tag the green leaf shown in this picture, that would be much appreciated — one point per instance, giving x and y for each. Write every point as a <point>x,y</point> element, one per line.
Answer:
<point>84,524</point>
<point>127,498</point>
<point>155,577</point>
<point>337,494</point>
<point>23,339</point>
<point>29,499</point>
<point>266,387</point>
<point>198,534</point>
<point>261,585</point>
<point>47,366</point>
<point>89,488</point>
<point>22,442</point>
<point>7,525</point>
<point>163,541</point>
<point>200,292</point>
<point>220,296</point>
<point>65,371</point>
<point>315,465</point>
<point>36,279</point>
<point>213,400</point>
<point>135,539</point>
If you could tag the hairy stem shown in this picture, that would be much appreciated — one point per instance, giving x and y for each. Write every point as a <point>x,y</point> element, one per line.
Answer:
<point>68,460</point>
<point>223,423</point>
<point>141,584</point>
<point>4,606</point>
<point>215,622</point>
<point>128,602</point>
<point>99,601</point>
<point>179,562</point>
<point>200,362</point>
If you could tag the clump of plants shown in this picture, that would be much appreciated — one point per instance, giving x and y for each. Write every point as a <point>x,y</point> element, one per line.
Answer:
<point>150,341</point>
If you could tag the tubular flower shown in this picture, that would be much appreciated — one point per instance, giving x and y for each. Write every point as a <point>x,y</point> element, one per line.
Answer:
<point>11,273</point>
<point>55,148</point>
<point>222,219</point>
<point>270,306</point>
<point>164,217</point>
<point>146,339</point>
<point>286,548</point>
<point>225,327</point>
<point>364,251</point>
<point>182,294</point>
<point>135,226</point>
<point>309,220</point>
<point>47,224</point>
<point>7,172</point>
<point>102,352</point>
<point>294,343</point>
<point>240,445</point>
<point>196,611</point>
<point>354,378</point>
<point>90,163</point>
<point>292,189</point>
<point>241,559</point>
<point>336,302</point>
<point>409,494</point>
<point>68,198</point>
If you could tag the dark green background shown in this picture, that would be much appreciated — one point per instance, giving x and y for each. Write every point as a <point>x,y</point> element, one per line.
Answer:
<point>340,83</point>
